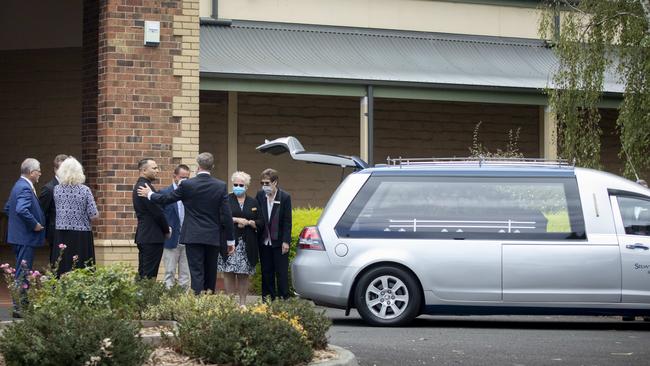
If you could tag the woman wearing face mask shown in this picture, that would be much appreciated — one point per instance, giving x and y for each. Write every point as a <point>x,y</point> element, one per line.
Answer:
<point>247,219</point>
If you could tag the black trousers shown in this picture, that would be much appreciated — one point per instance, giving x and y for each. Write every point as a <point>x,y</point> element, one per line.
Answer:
<point>202,260</point>
<point>275,268</point>
<point>149,256</point>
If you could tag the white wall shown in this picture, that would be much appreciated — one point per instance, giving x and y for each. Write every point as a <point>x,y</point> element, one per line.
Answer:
<point>417,15</point>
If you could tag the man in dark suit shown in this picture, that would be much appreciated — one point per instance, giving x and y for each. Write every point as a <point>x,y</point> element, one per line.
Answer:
<point>46,199</point>
<point>206,201</point>
<point>26,231</point>
<point>174,254</point>
<point>275,239</point>
<point>152,229</point>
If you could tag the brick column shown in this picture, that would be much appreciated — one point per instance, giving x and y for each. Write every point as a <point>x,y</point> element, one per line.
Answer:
<point>146,106</point>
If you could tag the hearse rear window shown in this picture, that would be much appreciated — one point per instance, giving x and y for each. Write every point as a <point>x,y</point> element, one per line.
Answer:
<point>465,208</point>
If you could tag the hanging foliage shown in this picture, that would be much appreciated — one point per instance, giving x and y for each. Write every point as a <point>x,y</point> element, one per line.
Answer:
<point>596,35</point>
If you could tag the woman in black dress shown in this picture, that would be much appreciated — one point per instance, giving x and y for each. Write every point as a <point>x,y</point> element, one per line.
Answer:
<point>247,219</point>
<point>75,211</point>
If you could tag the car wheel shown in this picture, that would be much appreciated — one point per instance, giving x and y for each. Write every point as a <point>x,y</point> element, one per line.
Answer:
<point>387,296</point>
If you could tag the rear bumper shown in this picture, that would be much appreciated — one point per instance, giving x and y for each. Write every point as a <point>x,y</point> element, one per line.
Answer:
<point>315,278</point>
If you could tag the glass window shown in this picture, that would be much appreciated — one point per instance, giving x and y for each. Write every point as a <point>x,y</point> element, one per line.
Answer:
<point>465,207</point>
<point>636,215</point>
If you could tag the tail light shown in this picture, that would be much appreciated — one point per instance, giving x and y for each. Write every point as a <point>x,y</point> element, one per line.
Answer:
<point>310,239</point>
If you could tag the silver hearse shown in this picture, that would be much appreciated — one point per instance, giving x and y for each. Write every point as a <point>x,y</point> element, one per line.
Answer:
<point>475,237</point>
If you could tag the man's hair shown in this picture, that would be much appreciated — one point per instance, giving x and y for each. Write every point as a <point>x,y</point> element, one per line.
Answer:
<point>29,165</point>
<point>270,174</point>
<point>143,163</point>
<point>179,167</point>
<point>59,159</point>
<point>205,161</point>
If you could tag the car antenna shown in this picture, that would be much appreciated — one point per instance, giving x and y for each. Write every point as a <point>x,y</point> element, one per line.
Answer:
<point>630,162</point>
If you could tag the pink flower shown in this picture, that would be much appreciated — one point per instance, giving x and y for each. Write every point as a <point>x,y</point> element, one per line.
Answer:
<point>4,266</point>
<point>62,246</point>
<point>75,258</point>
<point>25,286</point>
<point>36,273</point>
<point>23,262</point>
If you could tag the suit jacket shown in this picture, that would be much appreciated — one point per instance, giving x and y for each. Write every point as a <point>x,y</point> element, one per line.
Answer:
<point>24,213</point>
<point>46,199</point>
<point>152,225</point>
<point>278,227</point>
<point>250,211</point>
<point>205,200</point>
<point>173,219</point>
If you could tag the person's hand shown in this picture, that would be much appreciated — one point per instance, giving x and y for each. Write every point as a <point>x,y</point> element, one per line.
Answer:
<point>169,234</point>
<point>38,227</point>
<point>285,248</point>
<point>231,249</point>
<point>241,225</point>
<point>144,191</point>
<point>251,223</point>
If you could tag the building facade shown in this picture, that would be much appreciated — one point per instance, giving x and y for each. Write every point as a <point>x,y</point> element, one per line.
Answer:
<point>373,78</point>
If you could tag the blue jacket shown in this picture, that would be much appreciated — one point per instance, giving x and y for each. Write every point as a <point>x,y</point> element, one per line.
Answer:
<point>24,213</point>
<point>173,220</point>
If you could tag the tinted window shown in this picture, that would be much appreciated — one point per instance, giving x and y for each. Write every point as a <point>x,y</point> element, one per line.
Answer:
<point>465,207</point>
<point>636,215</point>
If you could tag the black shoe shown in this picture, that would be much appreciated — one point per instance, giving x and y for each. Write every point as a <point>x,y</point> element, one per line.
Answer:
<point>628,318</point>
<point>16,314</point>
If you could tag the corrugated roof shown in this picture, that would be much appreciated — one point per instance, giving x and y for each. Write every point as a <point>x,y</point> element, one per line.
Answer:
<point>360,55</point>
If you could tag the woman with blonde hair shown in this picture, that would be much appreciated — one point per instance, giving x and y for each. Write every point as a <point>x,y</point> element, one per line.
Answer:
<point>247,219</point>
<point>75,212</point>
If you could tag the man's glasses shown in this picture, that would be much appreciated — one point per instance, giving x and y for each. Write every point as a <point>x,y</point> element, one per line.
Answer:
<point>238,185</point>
<point>265,183</point>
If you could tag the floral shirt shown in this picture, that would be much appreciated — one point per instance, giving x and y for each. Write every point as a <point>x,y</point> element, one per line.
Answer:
<point>75,205</point>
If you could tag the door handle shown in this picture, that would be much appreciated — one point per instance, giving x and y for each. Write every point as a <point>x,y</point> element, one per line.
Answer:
<point>637,246</point>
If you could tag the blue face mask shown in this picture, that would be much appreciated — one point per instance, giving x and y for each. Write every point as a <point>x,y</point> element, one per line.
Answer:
<point>239,191</point>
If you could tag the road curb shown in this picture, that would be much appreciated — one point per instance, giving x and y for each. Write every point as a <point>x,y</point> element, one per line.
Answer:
<point>345,358</point>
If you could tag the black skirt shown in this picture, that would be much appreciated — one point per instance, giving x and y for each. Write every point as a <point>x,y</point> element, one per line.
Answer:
<point>78,243</point>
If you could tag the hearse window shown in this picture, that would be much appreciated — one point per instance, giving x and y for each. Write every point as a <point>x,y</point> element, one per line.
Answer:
<point>465,208</point>
<point>636,215</point>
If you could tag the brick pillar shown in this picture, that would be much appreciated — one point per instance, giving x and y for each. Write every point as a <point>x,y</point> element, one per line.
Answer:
<point>146,106</point>
<point>89,92</point>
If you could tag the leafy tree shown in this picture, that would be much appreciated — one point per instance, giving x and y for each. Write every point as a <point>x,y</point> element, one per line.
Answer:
<point>596,35</point>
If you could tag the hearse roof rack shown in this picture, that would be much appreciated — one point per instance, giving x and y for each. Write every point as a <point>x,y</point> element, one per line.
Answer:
<point>477,161</point>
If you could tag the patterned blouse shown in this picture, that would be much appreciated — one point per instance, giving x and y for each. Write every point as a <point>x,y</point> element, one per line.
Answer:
<point>75,205</point>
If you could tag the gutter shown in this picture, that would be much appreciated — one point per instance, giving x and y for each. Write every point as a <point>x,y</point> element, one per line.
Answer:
<point>214,18</point>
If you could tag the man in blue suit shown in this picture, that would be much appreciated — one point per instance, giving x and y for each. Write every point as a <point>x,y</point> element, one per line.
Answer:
<point>174,254</point>
<point>26,220</point>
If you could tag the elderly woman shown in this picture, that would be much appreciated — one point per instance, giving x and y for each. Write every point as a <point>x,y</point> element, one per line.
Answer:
<point>75,210</point>
<point>247,219</point>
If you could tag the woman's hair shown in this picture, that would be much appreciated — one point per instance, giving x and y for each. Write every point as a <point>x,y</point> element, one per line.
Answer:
<point>71,172</point>
<point>241,175</point>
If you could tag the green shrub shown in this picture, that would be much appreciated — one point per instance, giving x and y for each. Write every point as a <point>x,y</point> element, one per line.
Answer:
<point>150,292</point>
<point>61,335</point>
<point>313,321</point>
<point>301,217</point>
<point>253,336</point>
<point>181,306</point>
<point>103,288</point>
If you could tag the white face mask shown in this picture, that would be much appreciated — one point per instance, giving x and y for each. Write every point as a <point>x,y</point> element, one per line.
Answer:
<point>267,189</point>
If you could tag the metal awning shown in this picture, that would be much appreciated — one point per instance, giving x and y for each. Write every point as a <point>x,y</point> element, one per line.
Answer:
<point>310,53</point>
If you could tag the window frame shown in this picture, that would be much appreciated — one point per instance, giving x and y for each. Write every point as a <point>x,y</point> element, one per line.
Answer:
<point>617,193</point>
<point>571,190</point>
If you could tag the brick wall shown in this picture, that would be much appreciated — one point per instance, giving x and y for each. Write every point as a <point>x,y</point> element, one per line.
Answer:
<point>40,110</point>
<point>331,124</point>
<point>437,129</point>
<point>214,130</point>
<point>147,106</point>
<point>40,101</point>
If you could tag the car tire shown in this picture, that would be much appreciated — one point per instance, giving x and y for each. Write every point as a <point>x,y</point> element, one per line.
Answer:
<point>387,296</point>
